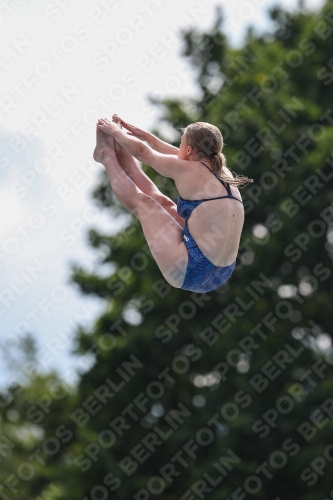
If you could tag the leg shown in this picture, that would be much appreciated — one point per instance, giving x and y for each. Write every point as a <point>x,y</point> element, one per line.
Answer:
<point>163,234</point>
<point>165,239</point>
<point>134,172</point>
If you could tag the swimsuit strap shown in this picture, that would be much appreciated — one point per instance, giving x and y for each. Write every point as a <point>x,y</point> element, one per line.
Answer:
<point>221,198</point>
<point>230,195</point>
<point>222,182</point>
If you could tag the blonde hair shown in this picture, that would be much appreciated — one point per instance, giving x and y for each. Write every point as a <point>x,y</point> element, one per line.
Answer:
<point>207,142</point>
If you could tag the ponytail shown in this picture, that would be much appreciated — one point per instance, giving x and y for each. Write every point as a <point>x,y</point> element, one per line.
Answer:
<point>218,163</point>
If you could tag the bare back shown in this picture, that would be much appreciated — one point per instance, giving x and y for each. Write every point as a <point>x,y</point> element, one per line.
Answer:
<point>215,225</point>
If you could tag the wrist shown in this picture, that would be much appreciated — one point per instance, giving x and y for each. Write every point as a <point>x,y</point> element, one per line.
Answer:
<point>148,137</point>
<point>117,133</point>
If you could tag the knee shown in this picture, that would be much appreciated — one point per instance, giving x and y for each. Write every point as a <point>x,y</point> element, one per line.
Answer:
<point>143,205</point>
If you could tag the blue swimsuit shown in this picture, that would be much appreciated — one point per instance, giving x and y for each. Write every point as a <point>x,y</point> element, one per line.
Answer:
<point>201,274</point>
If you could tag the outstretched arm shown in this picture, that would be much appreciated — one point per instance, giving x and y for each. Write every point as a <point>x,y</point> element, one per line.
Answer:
<point>161,146</point>
<point>165,164</point>
<point>153,141</point>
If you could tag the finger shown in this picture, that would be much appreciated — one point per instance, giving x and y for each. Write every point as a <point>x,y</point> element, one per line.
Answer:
<point>128,126</point>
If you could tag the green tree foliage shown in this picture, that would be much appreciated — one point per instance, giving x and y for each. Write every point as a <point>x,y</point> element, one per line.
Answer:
<point>225,395</point>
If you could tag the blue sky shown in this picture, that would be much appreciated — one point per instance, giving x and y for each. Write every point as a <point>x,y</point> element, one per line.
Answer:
<point>62,64</point>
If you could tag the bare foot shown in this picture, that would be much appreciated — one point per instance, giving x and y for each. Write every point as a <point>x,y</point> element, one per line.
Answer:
<point>103,126</point>
<point>117,121</point>
<point>108,127</point>
<point>104,145</point>
<point>119,149</point>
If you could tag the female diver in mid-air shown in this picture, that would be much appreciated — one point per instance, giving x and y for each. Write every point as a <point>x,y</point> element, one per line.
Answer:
<point>194,243</point>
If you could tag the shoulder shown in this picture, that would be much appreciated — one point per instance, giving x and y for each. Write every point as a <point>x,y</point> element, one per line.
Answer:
<point>228,172</point>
